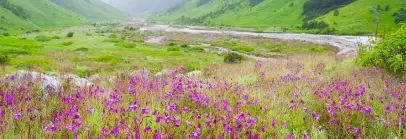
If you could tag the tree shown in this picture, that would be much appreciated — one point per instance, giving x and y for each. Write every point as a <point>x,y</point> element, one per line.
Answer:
<point>379,8</point>
<point>336,13</point>
<point>387,8</point>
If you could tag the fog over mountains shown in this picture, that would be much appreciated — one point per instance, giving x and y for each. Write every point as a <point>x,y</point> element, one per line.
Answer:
<point>143,8</point>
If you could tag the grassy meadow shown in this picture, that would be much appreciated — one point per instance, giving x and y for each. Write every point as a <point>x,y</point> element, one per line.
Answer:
<point>306,91</point>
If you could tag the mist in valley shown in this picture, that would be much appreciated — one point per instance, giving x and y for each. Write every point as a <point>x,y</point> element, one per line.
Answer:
<point>143,8</point>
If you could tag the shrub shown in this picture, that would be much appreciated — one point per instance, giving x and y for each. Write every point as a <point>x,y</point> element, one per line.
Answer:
<point>388,53</point>
<point>84,72</point>
<point>43,38</point>
<point>4,59</point>
<point>83,49</point>
<point>89,34</point>
<point>387,8</point>
<point>314,25</point>
<point>6,33</point>
<point>173,49</point>
<point>172,44</point>
<point>68,43</point>
<point>184,46</point>
<point>113,41</point>
<point>113,60</point>
<point>400,16</point>
<point>336,13</point>
<point>113,36</point>
<point>233,58</point>
<point>70,34</point>
<point>197,48</point>
<point>56,37</point>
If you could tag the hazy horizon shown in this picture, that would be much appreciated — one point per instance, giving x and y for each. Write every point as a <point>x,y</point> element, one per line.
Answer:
<point>142,8</point>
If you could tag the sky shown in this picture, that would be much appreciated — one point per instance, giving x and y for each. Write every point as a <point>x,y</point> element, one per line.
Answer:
<point>143,8</point>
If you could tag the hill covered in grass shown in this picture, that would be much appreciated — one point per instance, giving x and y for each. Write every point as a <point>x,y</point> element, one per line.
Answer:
<point>342,17</point>
<point>23,15</point>
<point>95,10</point>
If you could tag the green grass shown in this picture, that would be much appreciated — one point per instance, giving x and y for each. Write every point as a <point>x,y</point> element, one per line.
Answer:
<point>280,15</point>
<point>107,56</point>
<point>242,48</point>
<point>67,43</point>
<point>357,18</point>
<point>45,14</point>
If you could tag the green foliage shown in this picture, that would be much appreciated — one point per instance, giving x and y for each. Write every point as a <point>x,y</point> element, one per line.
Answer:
<point>89,34</point>
<point>85,72</point>
<point>389,53</point>
<point>400,16</point>
<point>113,60</point>
<point>172,44</point>
<point>314,25</point>
<point>43,38</point>
<point>16,10</point>
<point>197,48</point>
<point>4,59</point>
<point>70,34</point>
<point>113,41</point>
<point>233,58</point>
<point>83,49</point>
<point>315,8</point>
<point>242,48</point>
<point>318,49</point>
<point>113,36</point>
<point>26,63</point>
<point>67,43</point>
<point>184,46</point>
<point>387,8</point>
<point>336,13</point>
<point>126,45</point>
<point>56,37</point>
<point>5,33</point>
<point>21,43</point>
<point>259,30</point>
<point>173,48</point>
<point>141,41</point>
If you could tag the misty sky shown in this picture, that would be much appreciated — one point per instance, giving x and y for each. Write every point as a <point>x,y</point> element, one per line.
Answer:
<point>143,8</point>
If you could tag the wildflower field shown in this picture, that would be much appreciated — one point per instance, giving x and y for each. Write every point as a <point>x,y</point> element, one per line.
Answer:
<point>295,99</point>
<point>186,90</point>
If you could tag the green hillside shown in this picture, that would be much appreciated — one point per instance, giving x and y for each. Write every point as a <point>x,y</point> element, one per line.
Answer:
<point>358,17</point>
<point>355,18</point>
<point>92,9</point>
<point>10,22</point>
<point>28,15</point>
<point>44,13</point>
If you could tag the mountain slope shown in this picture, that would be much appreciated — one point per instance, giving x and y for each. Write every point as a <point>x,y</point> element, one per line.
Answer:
<point>358,17</point>
<point>354,18</point>
<point>95,10</point>
<point>44,13</point>
<point>11,23</point>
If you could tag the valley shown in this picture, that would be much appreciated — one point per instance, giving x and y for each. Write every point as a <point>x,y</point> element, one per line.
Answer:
<point>200,69</point>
